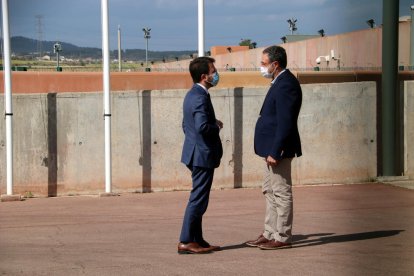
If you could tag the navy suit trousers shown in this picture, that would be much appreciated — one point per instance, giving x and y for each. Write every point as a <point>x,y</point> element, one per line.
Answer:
<point>197,204</point>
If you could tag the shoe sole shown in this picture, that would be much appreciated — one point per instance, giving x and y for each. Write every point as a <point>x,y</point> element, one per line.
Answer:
<point>253,245</point>
<point>275,248</point>
<point>186,252</point>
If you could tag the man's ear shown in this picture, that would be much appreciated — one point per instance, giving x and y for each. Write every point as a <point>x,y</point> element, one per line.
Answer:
<point>203,76</point>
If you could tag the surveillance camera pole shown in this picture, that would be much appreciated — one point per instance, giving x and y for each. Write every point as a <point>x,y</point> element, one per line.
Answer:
<point>147,36</point>
<point>57,59</point>
<point>57,48</point>
<point>146,52</point>
<point>119,50</point>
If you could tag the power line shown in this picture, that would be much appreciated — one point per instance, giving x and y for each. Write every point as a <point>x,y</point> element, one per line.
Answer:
<point>39,29</point>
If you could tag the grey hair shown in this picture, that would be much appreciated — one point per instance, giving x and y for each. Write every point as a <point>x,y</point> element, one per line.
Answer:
<point>276,53</point>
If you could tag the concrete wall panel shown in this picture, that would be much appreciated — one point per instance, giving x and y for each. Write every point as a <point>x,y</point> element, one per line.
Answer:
<point>338,129</point>
<point>409,128</point>
<point>59,139</point>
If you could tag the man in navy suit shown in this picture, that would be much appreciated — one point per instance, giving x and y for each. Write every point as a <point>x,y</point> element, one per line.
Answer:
<point>202,152</point>
<point>277,140</point>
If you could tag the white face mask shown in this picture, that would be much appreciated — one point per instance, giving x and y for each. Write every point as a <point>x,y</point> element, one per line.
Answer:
<point>265,72</point>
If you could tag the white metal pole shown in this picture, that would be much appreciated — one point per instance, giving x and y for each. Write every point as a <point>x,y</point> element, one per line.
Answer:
<point>107,96</point>
<point>119,49</point>
<point>8,98</point>
<point>200,28</point>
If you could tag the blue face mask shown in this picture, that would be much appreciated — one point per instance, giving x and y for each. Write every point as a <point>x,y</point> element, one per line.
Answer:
<point>215,79</point>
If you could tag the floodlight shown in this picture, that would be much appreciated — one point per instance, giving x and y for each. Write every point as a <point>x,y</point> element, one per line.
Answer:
<point>371,23</point>
<point>321,32</point>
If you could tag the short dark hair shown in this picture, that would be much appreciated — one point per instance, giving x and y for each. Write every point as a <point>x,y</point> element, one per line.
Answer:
<point>276,53</point>
<point>199,66</point>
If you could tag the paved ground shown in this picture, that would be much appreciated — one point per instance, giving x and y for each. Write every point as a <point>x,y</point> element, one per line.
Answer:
<point>339,230</point>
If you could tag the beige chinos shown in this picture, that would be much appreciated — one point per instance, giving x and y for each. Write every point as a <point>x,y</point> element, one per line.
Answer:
<point>277,189</point>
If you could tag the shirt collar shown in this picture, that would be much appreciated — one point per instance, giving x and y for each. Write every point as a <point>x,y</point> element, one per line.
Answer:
<point>202,86</point>
<point>273,81</point>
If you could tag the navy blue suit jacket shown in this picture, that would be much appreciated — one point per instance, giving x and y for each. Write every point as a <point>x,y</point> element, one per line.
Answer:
<point>202,144</point>
<point>276,132</point>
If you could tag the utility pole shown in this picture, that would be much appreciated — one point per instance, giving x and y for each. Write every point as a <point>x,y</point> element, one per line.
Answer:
<point>39,25</point>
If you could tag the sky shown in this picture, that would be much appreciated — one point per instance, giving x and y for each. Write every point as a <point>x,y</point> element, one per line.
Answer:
<point>173,23</point>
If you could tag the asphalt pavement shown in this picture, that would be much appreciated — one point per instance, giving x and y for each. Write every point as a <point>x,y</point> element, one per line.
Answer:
<point>359,229</point>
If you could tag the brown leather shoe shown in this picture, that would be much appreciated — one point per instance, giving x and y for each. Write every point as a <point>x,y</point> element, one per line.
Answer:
<point>255,243</point>
<point>192,248</point>
<point>272,245</point>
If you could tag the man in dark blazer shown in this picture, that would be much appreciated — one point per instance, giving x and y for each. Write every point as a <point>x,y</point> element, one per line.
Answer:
<point>277,140</point>
<point>202,152</point>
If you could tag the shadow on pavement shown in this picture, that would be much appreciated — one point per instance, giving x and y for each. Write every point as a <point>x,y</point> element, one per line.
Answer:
<point>302,240</point>
<point>324,238</point>
<point>236,246</point>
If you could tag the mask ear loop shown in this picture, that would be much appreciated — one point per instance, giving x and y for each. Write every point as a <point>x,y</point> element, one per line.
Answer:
<point>206,79</point>
<point>209,82</point>
<point>275,67</point>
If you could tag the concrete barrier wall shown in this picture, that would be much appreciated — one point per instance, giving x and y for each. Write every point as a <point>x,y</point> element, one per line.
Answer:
<point>59,142</point>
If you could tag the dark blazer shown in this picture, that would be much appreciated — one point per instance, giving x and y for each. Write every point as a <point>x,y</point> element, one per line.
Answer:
<point>276,132</point>
<point>202,144</point>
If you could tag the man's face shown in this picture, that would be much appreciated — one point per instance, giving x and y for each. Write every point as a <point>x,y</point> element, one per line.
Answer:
<point>212,69</point>
<point>265,61</point>
<point>208,78</point>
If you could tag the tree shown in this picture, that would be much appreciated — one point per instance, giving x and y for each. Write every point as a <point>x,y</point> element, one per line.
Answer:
<point>248,42</point>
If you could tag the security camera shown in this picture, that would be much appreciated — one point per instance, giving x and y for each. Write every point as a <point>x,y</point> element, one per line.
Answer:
<point>318,60</point>
<point>57,47</point>
<point>333,54</point>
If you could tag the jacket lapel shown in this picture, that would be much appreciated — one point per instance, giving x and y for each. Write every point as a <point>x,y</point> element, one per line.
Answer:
<point>274,84</point>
